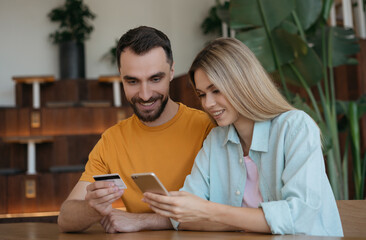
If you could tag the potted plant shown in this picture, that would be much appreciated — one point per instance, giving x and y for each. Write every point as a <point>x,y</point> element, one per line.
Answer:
<point>294,43</point>
<point>74,28</point>
<point>111,55</point>
<point>218,14</point>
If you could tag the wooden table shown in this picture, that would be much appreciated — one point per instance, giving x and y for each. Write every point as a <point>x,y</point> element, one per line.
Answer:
<point>49,231</point>
<point>35,81</point>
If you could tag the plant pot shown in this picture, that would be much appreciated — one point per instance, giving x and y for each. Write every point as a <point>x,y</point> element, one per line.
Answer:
<point>72,60</point>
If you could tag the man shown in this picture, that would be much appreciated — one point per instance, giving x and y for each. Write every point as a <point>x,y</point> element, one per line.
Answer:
<point>161,137</point>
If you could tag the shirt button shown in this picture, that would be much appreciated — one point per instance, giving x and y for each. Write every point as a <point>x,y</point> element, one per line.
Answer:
<point>237,192</point>
<point>240,160</point>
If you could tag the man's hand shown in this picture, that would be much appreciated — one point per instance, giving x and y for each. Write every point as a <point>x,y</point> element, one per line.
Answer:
<point>121,221</point>
<point>101,195</point>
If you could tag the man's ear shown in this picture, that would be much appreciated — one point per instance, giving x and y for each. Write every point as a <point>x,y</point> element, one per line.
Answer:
<point>172,72</point>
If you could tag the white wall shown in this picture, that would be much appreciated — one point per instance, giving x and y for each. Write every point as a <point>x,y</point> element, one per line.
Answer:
<point>26,50</point>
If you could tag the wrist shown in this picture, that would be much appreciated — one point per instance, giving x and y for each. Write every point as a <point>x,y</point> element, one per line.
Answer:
<point>153,221</point>
<point>214,211</point>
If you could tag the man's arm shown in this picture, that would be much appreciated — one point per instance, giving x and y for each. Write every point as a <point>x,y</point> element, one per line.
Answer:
<point>86,205</point>
<point>121,221</point>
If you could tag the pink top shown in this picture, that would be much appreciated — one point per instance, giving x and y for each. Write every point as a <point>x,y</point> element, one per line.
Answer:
<point>252,195</point>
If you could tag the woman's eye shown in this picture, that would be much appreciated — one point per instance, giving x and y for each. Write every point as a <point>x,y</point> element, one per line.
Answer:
<point>200,95</point>
<point>216,91</point>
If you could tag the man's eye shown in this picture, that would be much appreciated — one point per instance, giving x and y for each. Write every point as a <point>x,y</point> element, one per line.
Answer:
<point>131,82</point>
<point>156,79</point>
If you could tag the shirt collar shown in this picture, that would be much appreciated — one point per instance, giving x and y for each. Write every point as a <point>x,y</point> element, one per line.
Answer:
<point>231,135</point>
<point>260,139</point>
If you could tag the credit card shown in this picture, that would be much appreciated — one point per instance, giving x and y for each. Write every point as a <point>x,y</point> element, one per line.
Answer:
<point>114,177</point>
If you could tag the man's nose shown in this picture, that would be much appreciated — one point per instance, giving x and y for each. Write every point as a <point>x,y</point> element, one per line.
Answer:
<point>145,92</point>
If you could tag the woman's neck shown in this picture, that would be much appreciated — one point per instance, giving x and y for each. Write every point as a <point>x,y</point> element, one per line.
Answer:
<point>244,128</point>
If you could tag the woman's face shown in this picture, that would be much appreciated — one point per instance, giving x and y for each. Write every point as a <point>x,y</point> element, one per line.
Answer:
<point>213,101</point>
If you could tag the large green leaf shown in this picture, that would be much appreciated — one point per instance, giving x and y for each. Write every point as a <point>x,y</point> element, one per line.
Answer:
<point>308,11</point>
<point>288,46</point>
<point>248,13</point>
<point>289,26</point>
<point>256,40</point>
<point>343,45</point>
<point>309,66</point>
<point>326,9</point>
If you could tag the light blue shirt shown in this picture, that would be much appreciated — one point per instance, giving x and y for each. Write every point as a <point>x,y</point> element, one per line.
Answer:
<point>297,197</point>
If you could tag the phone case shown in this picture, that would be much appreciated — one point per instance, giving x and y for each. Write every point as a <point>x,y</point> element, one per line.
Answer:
<point>149,182</point>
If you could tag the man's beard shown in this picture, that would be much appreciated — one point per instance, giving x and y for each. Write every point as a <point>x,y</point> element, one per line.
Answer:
<point>149,116</point>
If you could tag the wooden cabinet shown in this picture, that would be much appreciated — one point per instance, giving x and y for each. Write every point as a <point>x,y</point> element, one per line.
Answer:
<point>74,113</point>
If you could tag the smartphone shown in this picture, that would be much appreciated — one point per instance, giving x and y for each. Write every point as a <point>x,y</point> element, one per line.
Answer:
<point>149,182</point>
<point>114,177</point>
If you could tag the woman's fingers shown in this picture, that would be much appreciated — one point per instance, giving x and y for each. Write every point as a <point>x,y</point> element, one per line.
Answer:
<point>163,206</point>
<point>178,193</point>
<point>162,212</point>
<point>157,197</point>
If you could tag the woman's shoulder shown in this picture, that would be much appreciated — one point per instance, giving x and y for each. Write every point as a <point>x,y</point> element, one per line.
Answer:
<point>294,117</point>
<point>295,121</point>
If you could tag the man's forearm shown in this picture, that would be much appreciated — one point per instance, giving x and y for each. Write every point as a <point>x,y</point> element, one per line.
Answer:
<point>153,221</point>
<point>121,221</point>
<point>77,216</point>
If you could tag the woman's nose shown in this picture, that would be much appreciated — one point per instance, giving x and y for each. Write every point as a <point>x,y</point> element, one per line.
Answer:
<point>209,101</point>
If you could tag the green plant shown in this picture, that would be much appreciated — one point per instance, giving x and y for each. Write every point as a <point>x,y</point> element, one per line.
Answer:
<point>351,112</point>
<point>293,42</point>
<point>217,14</point>
<point>74,25</point>
<point>111,54</point>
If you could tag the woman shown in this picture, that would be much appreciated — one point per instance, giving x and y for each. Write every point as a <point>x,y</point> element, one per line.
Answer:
<point>262,168</point>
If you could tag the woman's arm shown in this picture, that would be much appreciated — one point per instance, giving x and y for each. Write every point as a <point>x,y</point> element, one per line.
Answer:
<point>195,213</point>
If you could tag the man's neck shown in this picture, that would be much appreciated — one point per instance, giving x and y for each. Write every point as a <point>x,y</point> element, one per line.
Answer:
<point>169,112</point>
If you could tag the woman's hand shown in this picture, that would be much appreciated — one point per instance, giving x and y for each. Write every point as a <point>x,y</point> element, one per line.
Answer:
<point>180,206</point>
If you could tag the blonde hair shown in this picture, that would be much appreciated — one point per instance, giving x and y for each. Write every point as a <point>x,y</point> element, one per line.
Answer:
<point>236,72</point>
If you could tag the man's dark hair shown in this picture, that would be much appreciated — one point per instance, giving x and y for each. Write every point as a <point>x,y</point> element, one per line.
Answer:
<point>141,40</point>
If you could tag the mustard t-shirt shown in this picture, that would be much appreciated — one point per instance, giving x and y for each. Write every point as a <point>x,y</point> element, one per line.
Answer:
<point>167,150</point>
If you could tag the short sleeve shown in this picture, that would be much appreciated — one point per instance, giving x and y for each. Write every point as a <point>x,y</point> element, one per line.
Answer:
<point>95,164</point>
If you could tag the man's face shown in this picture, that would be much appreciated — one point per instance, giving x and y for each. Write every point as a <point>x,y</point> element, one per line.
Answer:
<point>146,80</point>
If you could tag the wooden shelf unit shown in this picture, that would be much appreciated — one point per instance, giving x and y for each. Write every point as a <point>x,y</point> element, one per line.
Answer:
<point>74,113</point>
